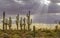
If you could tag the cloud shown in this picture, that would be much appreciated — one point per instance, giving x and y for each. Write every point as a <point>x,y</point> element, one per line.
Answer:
<point>55,1</point>
<point>38,9</point>
<point>19,1</point>
<point>12,7</point>
<point>54,8</point>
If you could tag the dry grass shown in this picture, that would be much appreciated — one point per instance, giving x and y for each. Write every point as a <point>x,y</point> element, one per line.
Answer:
<point>39,33</point>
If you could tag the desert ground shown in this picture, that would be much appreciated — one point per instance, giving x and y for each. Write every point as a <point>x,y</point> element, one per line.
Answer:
<point>41,31</point>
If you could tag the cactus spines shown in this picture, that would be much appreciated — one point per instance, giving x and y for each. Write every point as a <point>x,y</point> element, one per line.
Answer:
<point>17,21</point>
<point>28,21</point>
<point>34,31</point>
<point>3,19</point>
<point>21,24</point>
<point>10,23</point>
<point>24,23</point>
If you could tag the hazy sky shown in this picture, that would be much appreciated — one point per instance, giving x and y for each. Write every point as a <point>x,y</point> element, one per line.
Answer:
<point>42,11</point>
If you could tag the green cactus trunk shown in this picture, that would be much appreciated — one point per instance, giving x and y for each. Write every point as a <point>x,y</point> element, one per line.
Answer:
<point>10,23</point>
<point>17,21</point>
<point>34,31</point>
<point>6,23</point>
<point>24,24</point>
<point>3,19</point>
<point>21,24</point>
<point>56,28</point>
<point>29,21</point>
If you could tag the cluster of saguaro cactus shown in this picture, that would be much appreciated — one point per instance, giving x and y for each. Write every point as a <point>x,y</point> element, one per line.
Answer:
<point>6,22</point>
<point>34,31</point>
<point>10,23</point>
<point>21,24</point>
<point>29,21</point>
<point>17,21</point>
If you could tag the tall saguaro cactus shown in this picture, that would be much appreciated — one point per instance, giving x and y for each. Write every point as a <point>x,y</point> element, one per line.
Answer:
<point>34,31</point>
<point>17,21</point>
<point>21,23</point>
<point>29,21</point>
<point>10,23</point>
<point>3,19</point>
<point>24,20</point>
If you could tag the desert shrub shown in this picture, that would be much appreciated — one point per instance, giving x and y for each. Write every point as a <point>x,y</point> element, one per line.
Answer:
<point>15,36</point>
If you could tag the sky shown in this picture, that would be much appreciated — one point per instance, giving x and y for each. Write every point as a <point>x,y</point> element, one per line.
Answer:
<point>42,11</point>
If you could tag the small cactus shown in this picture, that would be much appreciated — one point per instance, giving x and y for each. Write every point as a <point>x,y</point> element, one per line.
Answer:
<point>56,28</point>
<point>10,23</point>
<point>34,31</point>
<point>59,23</point>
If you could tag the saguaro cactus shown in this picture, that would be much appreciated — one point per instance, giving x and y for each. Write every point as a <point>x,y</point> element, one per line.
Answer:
<point>10,23</point>
<point>59,22</point>
<point>24,20</point>
<point>6,23</point>
<point>56,28</point>
<point>3,19</point>
<point>17,21</point>
<point>34,31</point>
<point>21,24</point>
<point>29,21</point>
